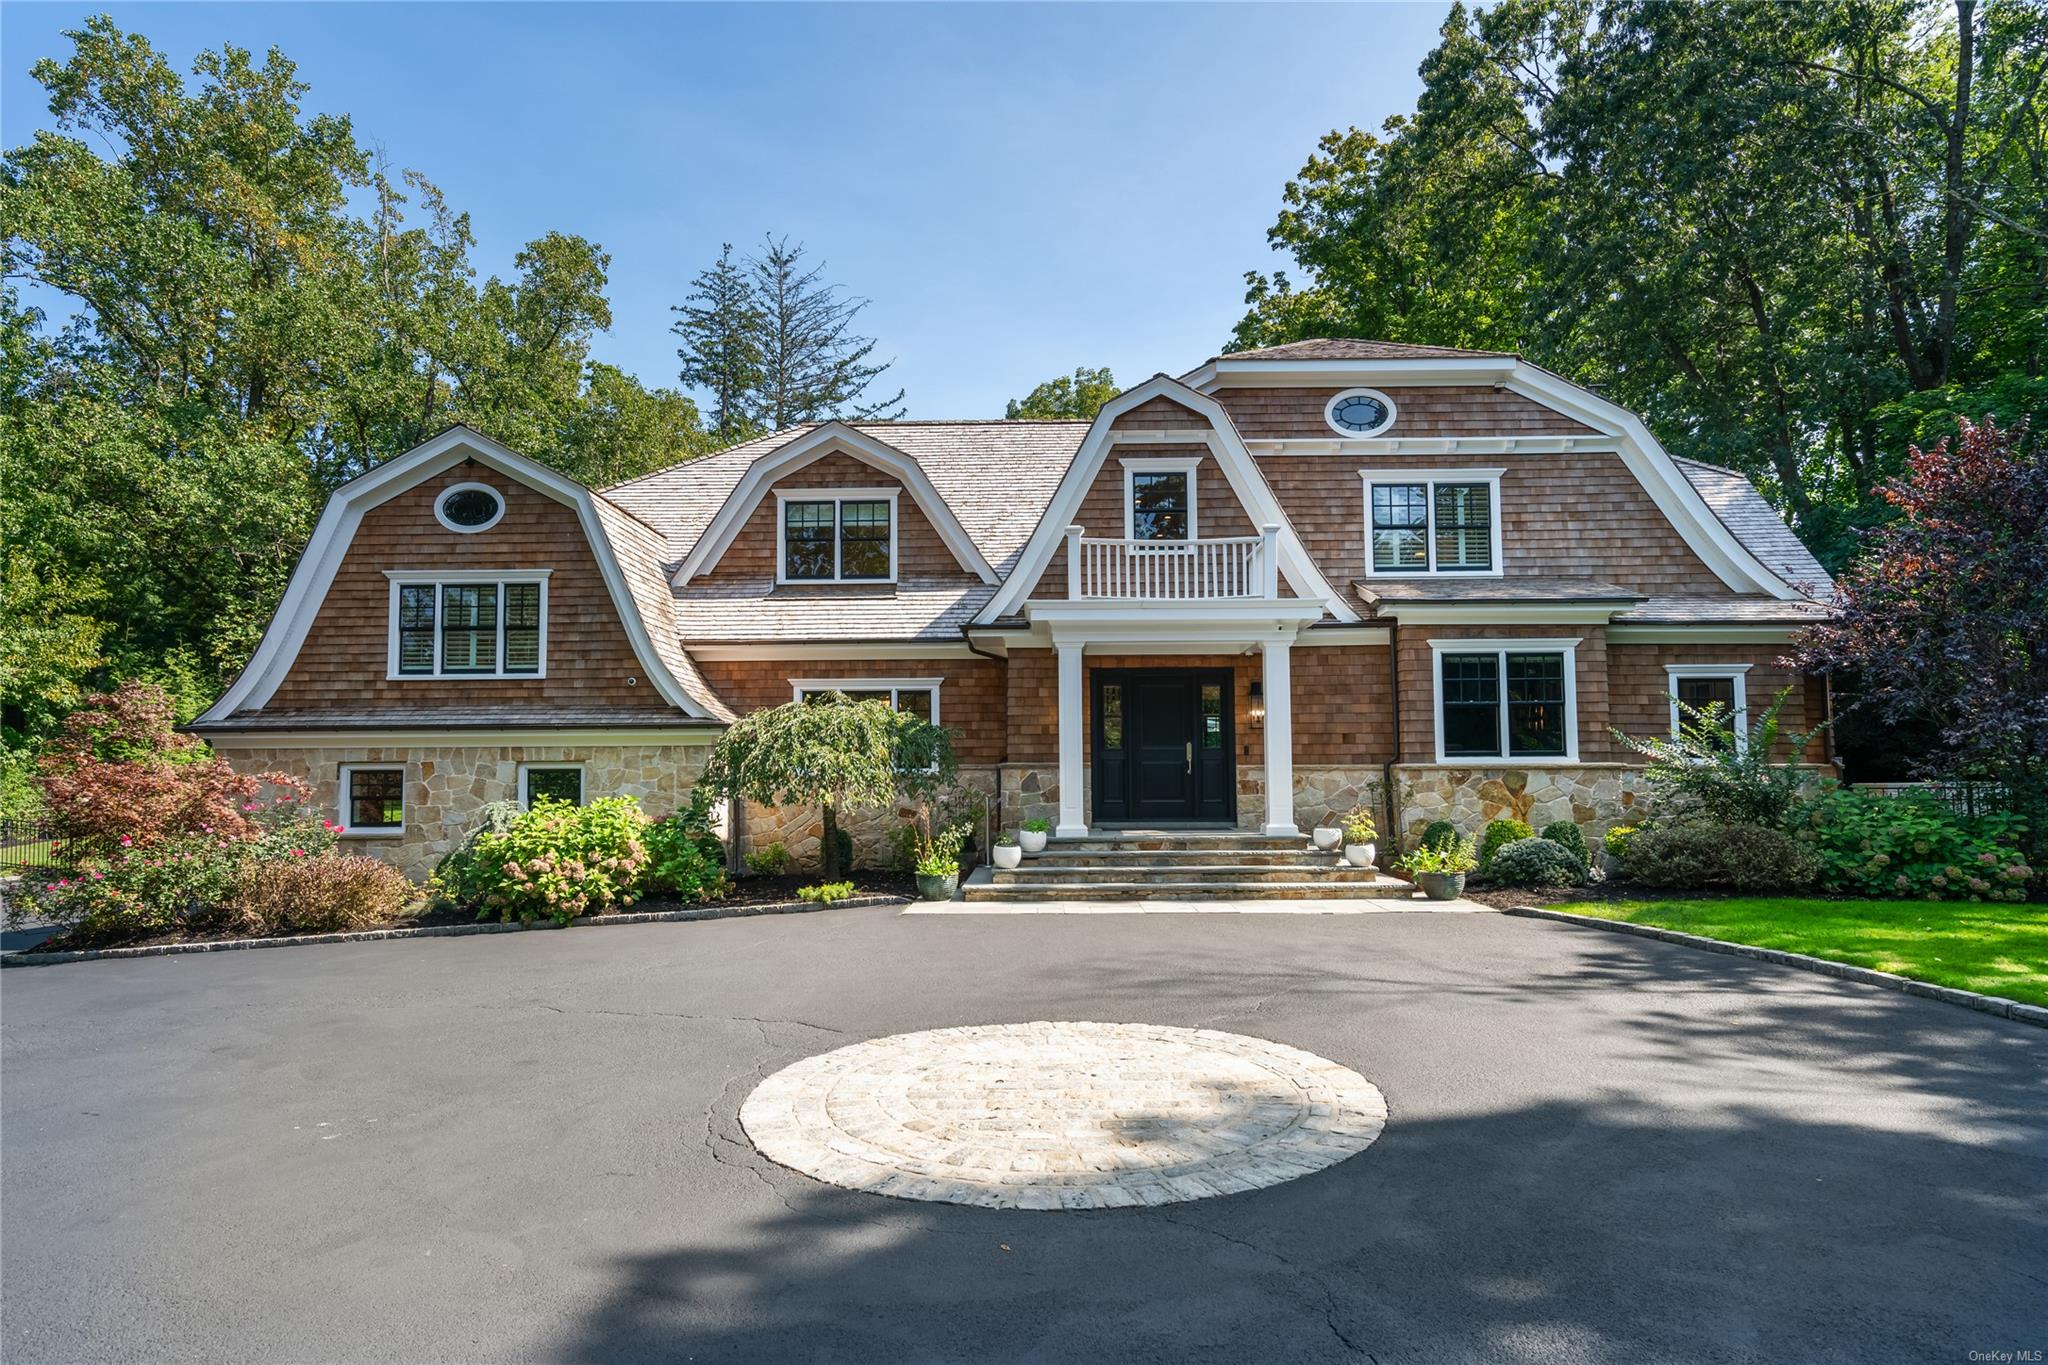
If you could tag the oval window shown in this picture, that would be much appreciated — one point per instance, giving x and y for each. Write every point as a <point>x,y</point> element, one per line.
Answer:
<point>470,507</point>
<point>1360,412</point>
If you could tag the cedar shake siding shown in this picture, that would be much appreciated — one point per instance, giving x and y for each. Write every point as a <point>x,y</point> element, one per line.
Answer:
<point>972,700</point>
<point>1418,689</point>
<point>1264,414</point>
<point>343,663</point>
<point>1641,707</point>
<point>921,556</point>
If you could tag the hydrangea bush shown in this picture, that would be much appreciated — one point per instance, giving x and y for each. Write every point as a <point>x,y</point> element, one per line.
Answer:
<point>1913,845</point>
<point>558,861</point>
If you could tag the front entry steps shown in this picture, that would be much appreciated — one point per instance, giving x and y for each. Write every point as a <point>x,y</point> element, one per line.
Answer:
<point>1182,865</point>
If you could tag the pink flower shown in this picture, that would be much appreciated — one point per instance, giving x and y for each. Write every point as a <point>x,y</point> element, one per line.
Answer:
<point>298,853</point>
<point>127,842</point>
<point>98,875</point>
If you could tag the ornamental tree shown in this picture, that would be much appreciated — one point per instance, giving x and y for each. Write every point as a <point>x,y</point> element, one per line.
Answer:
<point>832,752</point>
<point>1944,614</point>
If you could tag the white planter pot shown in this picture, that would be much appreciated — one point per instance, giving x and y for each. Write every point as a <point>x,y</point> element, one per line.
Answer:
<point>1327,836</point>
<point>1007,856</point>
<point>1360,855</point>
<point>1031,840</point>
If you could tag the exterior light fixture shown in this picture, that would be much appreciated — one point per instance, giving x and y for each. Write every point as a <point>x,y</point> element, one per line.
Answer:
<point>1258,707</point>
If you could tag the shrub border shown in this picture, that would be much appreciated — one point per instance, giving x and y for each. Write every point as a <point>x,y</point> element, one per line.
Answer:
<point>30,958</point>
<point>1998,1005</point>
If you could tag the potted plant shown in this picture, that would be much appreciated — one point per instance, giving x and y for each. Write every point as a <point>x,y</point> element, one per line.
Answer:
<point>1440,869</point>
<point>1326,837</point>
<point>1032,836</point>
<point>1007,854</point>
<point>1360,838</point>
<point>938,863</point>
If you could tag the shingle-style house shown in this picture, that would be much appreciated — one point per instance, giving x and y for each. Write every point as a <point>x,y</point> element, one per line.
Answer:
<point>1424,579</point>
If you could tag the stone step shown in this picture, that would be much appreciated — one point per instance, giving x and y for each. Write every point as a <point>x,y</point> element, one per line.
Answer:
<point>1168,857</point>
<point>1383,889</point>
<point>1149,841</point>
<point>1146,873</point>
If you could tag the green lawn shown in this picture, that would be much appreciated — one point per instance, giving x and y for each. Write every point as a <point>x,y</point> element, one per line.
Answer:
<point>1997,949</point>
<point>25,855</point>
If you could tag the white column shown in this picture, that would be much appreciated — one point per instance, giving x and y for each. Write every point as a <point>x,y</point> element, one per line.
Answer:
<point>1073,819</point>
<point>1269,562</point>
<point>1278,678</point>
<point>1073,563</point>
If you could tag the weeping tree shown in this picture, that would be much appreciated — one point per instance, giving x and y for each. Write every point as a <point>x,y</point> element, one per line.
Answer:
<point>832,752</point>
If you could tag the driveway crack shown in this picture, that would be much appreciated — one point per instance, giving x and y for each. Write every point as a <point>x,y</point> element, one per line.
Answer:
<point>1311,1276</point>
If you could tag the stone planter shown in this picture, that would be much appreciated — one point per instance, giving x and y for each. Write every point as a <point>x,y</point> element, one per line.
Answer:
<point>1007,856</point>
<point>1440,886</point>
<point>1031,840</point>
<point>1360,855</point>
<point>1327,836</point>
<point>935,888</point>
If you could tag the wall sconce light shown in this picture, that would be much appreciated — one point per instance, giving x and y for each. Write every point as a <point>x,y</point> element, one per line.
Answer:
<point>1258,699</point>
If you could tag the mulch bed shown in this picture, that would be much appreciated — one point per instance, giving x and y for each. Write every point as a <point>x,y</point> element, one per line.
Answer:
<point>746,892</point>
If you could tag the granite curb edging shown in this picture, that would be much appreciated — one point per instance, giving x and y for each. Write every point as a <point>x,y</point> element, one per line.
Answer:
<point>1997,1005</point>
<point>31,958</point>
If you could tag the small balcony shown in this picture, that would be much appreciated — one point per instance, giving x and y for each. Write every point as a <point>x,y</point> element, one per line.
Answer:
<point>1227,568</point>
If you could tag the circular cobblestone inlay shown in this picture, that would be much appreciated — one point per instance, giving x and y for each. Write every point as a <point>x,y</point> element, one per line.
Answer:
<point>1063,1115</point>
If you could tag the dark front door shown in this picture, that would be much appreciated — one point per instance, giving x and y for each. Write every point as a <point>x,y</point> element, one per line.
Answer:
<point>1163,746</point>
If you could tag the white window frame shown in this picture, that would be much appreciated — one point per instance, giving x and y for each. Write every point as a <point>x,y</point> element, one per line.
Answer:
<point>1500,649</point>
<point>1189,465</point>
<point>1330,414</point>
<point>440,578</point>
<point>1430,478</point>
<point>527,769</point>
<point>1738,673</point>
<point>804,687</point>
<point>441,500</point>
<point>348,831</point>
<point>835,496</point>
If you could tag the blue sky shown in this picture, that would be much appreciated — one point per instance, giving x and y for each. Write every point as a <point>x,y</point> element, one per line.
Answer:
<point>1018,188</point>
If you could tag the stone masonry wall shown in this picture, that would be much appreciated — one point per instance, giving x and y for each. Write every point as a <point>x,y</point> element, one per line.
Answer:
<point>801,829</point>
<point>445,786</point>
<point>1592,796</point>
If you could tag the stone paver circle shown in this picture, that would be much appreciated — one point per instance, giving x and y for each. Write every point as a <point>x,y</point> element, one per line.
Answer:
<point>1070,1115</point>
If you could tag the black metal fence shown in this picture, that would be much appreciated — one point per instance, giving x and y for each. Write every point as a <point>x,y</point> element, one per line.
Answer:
<point>31,845</point>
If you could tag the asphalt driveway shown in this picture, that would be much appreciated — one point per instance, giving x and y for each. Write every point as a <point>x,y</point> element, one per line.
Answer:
<point>524,1147</point>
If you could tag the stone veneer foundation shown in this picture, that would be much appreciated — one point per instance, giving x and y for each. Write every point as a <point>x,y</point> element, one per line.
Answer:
<point>801,829</point>
<point>1592,796</point>
<point>445,786</point>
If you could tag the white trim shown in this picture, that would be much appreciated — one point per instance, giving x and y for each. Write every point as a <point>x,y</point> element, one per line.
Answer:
<point>830,649</point>
<point>1346,433</point>
<point>343,800</point>
<point>317,567</point>
<point>582,780</point>
<point>1340,636</point>
<point>400,578</point>
<point>1736,673</point>
<point>1622,633</point>
<point>1276,674</point>
<point>1682,505</point>
<point>445,738</point>
<point>831,438</point>
<point>1073,762</point>
<point>1500,648</point>
<point>799,688</point>
<point>1503,613</point>
<point>441,514</point>
<point>1190,465</point>
<point>837,497</point>
<point>1431,445</point>
<point>1236,464</point>
<point>1429,479</point>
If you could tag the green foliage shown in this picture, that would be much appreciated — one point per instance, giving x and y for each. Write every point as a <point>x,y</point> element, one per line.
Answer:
<point>21,796</point>
<point>1078,398</point>
<point>1459,855</point>
<point>1499,834</point>
<point>1359,827</point>
<point>842,848</point>
<point>1038,824</point>
<point>1439,834</point>
<point>456,878</point>
<point>1702,772</point>
<point>1617,840</point>
<point>1568,836</point>
<point>772,861</point>
<point>824,893</point>
<point>684,858</point>
<point>1536,862</point>
<point>1704,854</point>
<point>903,847</point>
<point>938,853</point>
<point>558,861</point>
<point>1913,844</point>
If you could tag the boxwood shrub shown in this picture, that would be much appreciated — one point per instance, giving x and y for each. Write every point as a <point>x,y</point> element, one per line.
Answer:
<point>1536,862</point>
<point>1499,834</point>
<point>1566,833</point>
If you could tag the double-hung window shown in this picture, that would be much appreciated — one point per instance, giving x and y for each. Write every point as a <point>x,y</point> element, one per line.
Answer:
<point>1698,686</point>
<point>470,625</point>
<point>918,696</point>
<point>1432,522</point>
<point>1506,699</point>
<point>836,536</point>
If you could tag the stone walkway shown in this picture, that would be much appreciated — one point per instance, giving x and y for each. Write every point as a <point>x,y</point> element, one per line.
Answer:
<point>1161,906</point>
<point>1063,1115</point>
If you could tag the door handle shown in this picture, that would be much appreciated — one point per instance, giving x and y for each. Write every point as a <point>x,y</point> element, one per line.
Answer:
<point>1191,755</point>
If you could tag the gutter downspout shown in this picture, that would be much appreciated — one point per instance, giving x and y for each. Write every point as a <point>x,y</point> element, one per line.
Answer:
<point>988,842</point>
<point>1394,700</point>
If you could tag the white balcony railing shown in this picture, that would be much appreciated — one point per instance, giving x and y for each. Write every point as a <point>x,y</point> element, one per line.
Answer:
<point>1173,570</point>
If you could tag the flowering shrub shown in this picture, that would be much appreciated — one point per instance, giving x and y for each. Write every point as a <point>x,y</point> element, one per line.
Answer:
<point>1913,845</point>
<point>684,858</point>
<point>561,861</point>
<point>323,893</point>
<point>93,908</point>
<point>457,878</point>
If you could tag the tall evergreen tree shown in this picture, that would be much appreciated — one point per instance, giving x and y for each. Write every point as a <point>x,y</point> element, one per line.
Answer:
<point>720,326</point>
<point>813,365</point>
